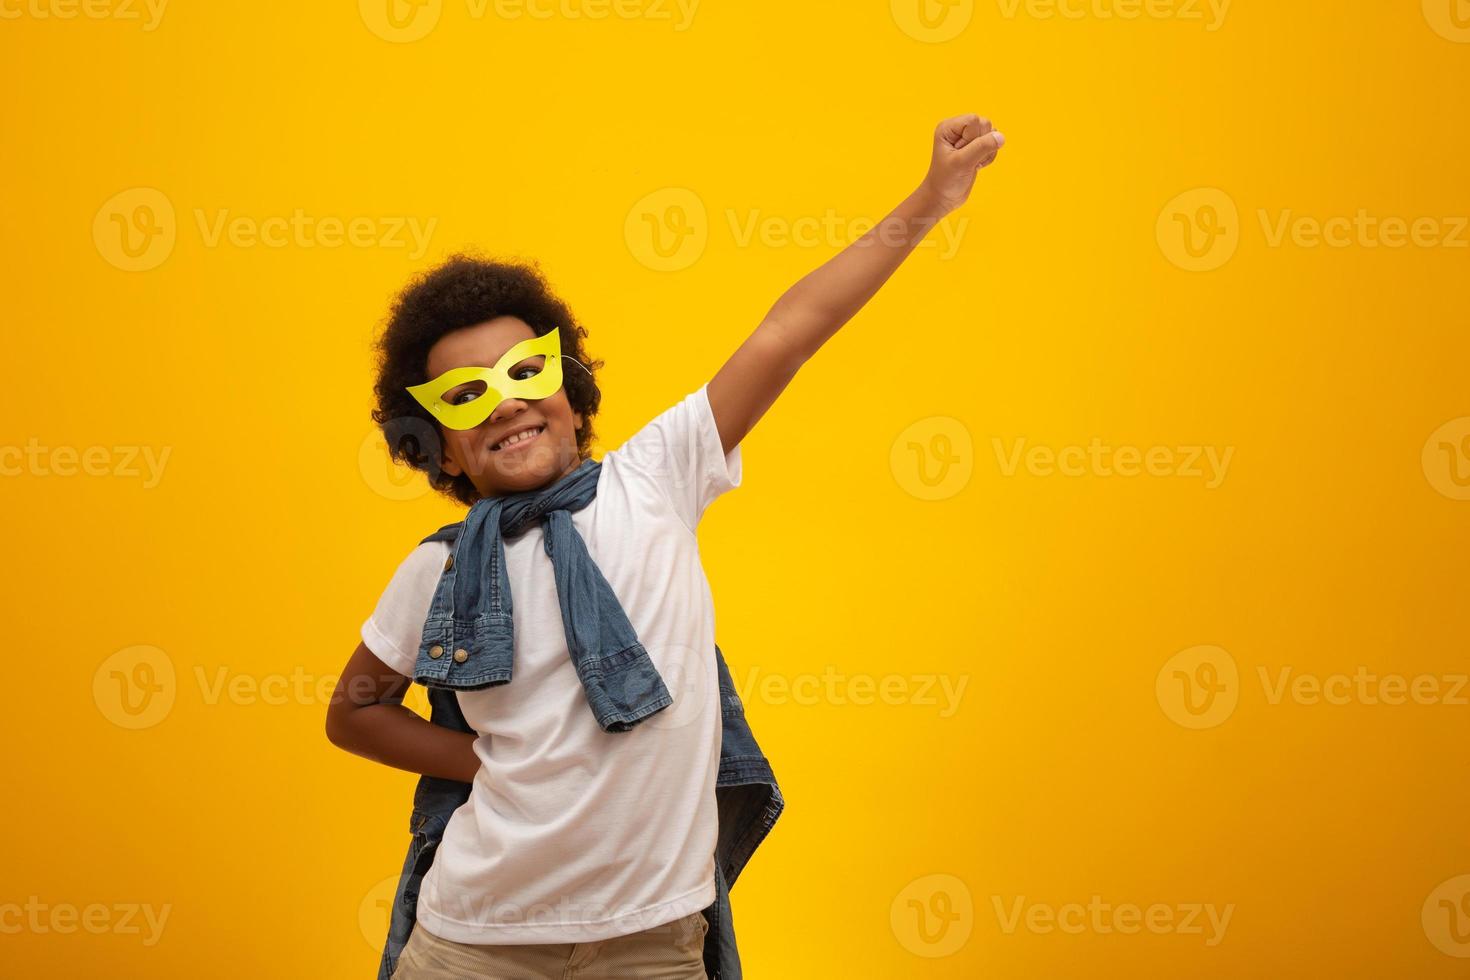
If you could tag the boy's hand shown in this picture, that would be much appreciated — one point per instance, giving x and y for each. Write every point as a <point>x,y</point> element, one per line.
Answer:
<point>962,145</point>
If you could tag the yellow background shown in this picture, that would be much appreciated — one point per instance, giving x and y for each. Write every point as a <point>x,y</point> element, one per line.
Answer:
<point>1334,542</point>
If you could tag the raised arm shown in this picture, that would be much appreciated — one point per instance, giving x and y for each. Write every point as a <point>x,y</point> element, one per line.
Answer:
<point>814,309</point>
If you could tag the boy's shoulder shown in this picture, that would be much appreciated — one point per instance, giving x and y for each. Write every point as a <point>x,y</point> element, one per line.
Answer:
<point>424,563</point>
<point>444,535</point>
<point>668,433</point>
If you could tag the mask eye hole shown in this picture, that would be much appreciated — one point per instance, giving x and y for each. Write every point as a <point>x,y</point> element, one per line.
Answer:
<point>465,393</point>
<point>528,368</point>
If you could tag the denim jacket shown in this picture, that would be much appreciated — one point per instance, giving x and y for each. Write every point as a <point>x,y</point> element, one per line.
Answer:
<point>747,798</point>
<point>471,610</point>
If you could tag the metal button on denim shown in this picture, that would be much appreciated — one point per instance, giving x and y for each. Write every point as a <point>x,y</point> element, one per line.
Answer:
<point>460,656</point>
<point>449,563</point>
<point>436,651</point>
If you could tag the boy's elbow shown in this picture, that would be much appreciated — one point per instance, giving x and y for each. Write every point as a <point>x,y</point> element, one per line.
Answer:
<point>337,727</point>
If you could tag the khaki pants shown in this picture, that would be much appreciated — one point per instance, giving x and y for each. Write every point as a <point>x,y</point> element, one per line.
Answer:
<point>674,951</point>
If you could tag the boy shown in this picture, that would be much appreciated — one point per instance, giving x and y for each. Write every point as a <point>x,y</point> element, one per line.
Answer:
<point>585,846</point>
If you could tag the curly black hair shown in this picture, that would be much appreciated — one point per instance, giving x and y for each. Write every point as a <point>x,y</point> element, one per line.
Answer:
<point>462,291</point>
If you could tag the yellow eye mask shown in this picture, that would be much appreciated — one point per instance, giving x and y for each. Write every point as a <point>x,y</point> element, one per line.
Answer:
<point>447,397</point>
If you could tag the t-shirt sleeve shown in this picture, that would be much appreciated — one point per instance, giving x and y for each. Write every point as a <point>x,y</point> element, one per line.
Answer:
<point>396,627</point>
<point>680,450</point>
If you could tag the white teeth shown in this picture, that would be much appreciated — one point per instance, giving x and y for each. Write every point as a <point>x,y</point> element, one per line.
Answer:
<point>519,437</point>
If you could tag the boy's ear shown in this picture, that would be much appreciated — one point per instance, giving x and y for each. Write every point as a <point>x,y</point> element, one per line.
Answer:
<point>447,463</point>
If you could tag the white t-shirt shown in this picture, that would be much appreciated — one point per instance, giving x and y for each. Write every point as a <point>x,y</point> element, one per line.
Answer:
<point>572,834</point>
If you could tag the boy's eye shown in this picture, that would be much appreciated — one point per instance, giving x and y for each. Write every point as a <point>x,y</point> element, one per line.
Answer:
<point>465,394</point>
<point>533,365</point>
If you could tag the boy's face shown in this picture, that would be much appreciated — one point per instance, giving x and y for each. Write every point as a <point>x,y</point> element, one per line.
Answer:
<point>528,465</point>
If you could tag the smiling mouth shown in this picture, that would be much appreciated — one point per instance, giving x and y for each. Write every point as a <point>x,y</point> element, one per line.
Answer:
<point>521,439</point>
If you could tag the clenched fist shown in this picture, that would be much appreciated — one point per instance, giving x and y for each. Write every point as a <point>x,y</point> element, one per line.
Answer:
<point>962,145</point>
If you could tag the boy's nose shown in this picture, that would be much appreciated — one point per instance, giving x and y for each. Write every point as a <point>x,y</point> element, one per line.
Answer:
<point>509,408</point>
